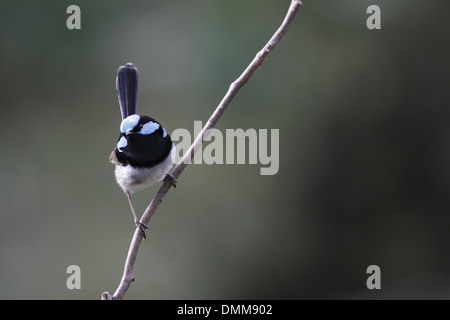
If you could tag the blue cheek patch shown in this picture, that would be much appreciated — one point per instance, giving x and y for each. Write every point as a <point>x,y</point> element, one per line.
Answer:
<point>149,128</point>
<point>122,143</point>
<point>129,123</point>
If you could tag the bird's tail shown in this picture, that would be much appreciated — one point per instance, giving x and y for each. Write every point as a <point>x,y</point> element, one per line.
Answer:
<point>127,87</point>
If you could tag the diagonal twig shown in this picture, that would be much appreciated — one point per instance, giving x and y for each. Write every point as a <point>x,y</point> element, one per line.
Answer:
<point>128,277</point>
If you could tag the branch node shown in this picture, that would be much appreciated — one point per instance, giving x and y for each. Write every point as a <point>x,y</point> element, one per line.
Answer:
<point>107,296</point>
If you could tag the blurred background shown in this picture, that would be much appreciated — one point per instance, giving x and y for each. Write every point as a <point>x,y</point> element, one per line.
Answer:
<point>364,175</point>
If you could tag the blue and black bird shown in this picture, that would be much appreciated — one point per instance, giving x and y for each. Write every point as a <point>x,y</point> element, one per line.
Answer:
<point>144,153</point>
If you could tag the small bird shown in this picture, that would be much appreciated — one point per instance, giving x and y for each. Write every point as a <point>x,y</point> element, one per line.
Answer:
<point>144,153</point>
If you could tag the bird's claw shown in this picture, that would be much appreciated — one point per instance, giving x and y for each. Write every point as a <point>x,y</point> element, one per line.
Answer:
<point>171,179</point>
<point>142,227</point>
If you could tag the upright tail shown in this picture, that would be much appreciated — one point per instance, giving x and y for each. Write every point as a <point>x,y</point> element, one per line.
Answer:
<point>127,87</point>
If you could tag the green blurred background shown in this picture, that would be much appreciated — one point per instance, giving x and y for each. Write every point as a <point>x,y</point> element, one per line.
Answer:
<point>364,149</point>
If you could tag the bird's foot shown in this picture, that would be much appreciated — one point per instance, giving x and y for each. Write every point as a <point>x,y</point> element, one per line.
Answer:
<point>171,179</point>
<point>142,227</point>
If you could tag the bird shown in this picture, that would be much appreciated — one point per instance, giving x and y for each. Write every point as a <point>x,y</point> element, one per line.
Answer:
<point>144,153</point>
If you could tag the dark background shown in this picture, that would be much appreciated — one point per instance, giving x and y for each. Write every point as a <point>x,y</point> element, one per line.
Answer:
<point>364,149</point>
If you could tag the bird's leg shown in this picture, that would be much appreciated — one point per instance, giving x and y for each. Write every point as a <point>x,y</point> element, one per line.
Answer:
<point>137,223</point>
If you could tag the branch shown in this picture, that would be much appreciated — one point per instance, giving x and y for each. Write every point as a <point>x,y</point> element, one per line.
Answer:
<point>231,93</point>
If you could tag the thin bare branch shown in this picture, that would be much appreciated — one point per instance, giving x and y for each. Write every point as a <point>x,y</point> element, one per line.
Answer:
<point>231,93</point>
